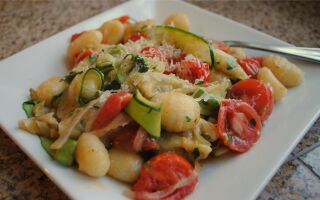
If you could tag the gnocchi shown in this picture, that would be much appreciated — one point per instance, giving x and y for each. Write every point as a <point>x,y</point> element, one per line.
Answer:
<point>86,40</point>
<point>92,156</point>
<point>143,25</point>
<point>113,32</point>
<point>124,166</point>
<point>179,20</point>
<point>179,112</point>
<point>49,89</point>
<point>228,65</point>
<point>278,90</point>
<point>128,31</point>
<point>286,72</point>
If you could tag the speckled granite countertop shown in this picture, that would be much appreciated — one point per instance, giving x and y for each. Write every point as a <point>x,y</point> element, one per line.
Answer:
<point>25,22</point>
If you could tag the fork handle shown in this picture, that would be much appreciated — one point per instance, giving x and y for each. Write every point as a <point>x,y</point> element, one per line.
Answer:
<point>309,54</point>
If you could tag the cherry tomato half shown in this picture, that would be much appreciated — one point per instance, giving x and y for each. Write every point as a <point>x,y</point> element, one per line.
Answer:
<point>251,65</point>
<point>256,93</point>
<point>110,109</point>
<point>153,52</point>
<point>161,173</point>
<point>192,70</point>
<point>239,125</point>
<point>82,55</point>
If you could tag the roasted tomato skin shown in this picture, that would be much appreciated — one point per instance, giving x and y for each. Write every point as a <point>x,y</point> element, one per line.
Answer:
<point>82,55</point>
<point>193,70</point>
<point>251,65</point>
<point>110,109</point>
<point>153,52</point>
<point>124,18</point>
<point>239,125</point>
<point>162,172</point>
<point>137,36</point>
<point>76,35</point>
<point>256,93</point>
<point>125,138</point>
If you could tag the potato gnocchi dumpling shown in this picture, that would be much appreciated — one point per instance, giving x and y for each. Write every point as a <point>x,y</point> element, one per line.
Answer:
<point>227,64</point>
<point>278,90</point>
<point>179,20</point>
<point>179,112</point>
<point>113,32</point>
<point>48,89</point>
<point>124,165</point>
<point>285,71</point>
<point>92,156</point>
<point>85,40</point>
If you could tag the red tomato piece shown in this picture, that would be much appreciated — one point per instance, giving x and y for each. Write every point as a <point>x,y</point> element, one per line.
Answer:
<point>75,36</point>
<point>132,138</point>
<point>192,70</point>
<point>150,144</point>
<point>251,65</point>
<point>239,125</point>
<point>162,173</point>
<point>124,18</point>
<point>176,58</point>
<point>170,70</point>
<point>137,36</point>
<point>153,52</point>
<point>221,45</point>
<point>258,59</point>
<point>82,55</point>
<point>110,109</point>
<point>256,93</point>
<point>124,137</point>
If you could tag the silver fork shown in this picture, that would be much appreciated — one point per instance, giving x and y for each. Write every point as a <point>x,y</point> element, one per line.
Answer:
<point>308,54</point>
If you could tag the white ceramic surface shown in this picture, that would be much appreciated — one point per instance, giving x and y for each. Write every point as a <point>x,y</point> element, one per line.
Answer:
<point>238,177</point>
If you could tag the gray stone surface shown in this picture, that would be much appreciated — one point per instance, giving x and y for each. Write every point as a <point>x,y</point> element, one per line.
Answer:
<point>26,22</point>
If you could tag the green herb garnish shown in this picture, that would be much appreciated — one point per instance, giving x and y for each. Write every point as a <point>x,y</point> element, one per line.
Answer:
<point>188,119</point>
<point>196,153</point>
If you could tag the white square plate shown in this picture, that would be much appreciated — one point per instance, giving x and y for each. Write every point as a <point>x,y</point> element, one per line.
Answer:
<point>236,177</point>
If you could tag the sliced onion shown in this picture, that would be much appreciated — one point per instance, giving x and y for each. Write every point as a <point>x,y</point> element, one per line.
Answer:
<point>139,139</point>
<point>168,191</point>
<point>121,120</point>
<point>63,138</point>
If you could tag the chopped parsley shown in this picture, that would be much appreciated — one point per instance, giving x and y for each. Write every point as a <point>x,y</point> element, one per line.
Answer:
<point>140,63</point>
<point>114,85</point>
<point>92,58</point>
<point>188,119</point>
<point>196,153</point>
